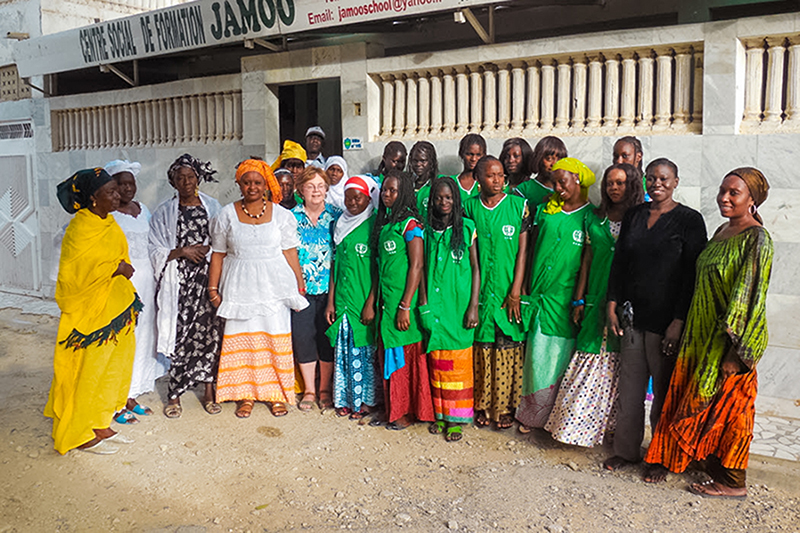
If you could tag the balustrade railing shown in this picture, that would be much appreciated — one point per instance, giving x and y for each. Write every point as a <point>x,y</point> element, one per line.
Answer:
<point>179,120</point>
<point>645,91</point>
<point>772,84</point>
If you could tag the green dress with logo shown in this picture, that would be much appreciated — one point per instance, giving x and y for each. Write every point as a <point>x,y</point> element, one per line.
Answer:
<point>474,192</point>
<point>498,231</point>
<point>533,191</point>
<point>551,335</point>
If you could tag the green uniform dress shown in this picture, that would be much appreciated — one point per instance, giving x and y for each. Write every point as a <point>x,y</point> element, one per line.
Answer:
<point>423,199</point>
<point>533,191</point>
<point>474,192</point>
<point>449,286</point>
<point>582,410</point>
<point>405,364</point>
<point>499,350</point>
<point>355,375</point>
<point>551,338</point>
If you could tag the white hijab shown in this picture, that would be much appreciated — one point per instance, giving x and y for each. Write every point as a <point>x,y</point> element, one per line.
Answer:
<point>336,192</point>
<point>348,222</point>
<point>122,165</point>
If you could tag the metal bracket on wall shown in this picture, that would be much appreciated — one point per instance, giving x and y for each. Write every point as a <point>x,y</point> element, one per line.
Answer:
<point>122,75</point>
<point>486,36</point>
<point>250,44</point>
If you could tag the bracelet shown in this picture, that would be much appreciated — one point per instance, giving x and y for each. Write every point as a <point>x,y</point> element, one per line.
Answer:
<point>400,306</point>
<point>213,288</point>
<point>578,303</point>
<point>513,298</point>
<point>214,298</point>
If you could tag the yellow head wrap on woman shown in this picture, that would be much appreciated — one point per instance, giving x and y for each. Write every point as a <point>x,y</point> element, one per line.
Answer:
<point>585,177</point>
<point>291,150</point>
<point>256,165</point>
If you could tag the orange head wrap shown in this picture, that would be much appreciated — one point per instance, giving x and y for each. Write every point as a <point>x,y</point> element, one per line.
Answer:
<point>756,183</point>
<point>255,165</point>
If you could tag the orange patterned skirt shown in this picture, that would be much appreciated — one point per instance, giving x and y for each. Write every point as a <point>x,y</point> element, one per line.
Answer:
<point>257,362</point>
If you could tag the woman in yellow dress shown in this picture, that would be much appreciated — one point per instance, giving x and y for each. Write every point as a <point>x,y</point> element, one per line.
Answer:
<point>94,353</point>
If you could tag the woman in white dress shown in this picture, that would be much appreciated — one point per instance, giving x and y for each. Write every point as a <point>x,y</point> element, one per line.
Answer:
<point>134,219</point>
<point>255,281</point>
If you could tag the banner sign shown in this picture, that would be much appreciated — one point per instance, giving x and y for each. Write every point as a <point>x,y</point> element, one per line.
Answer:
<point>204,23</point>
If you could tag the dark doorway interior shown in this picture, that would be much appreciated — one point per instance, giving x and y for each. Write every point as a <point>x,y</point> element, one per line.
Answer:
<point>309,104</point>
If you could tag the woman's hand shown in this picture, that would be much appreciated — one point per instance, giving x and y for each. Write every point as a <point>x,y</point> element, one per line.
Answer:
<point>195,253</point>
<point>368,313</point>
<point>577,314</point>
<point>613,320</point>
<point>512,305</point>
<point>330,312</point>
<point>471,318</point>
<point>402,320</point>
<point>672,338</point>
<point>301,286</point>
<point>215,298</point>
<point>124,269</point>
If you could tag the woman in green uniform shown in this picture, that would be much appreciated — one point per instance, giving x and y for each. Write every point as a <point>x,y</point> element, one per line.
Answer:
<point>351,302</point>
<point>470,150</point>
<point>582,411</point>
<point>538,189</point>
<point>501,221</point>
<point>393,158</point>
<point>558,235</point>
<point>517,159</point>
<point>451,314</point>
<point>424,167</point>
<point>398,234</point>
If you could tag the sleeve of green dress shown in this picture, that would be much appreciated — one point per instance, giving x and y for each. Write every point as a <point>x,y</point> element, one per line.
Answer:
<point>746,317</point>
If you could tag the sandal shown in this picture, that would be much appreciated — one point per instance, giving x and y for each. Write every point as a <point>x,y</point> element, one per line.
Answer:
<point>358,415</point>
<point>278,409</point>
<point>453,434</point>
<point>307,405</point>
<point>481,421</point>
<point>125,417</point>
<point>655,473</point>
<point>325,400</point>
<point>173,410</point>
<point>244,409</point>
<point>342,412</point>
<point>524,429</point>
<point>505,422</point>
<point>142,410</point>
<point>212,407</point>
<point>712,489</point>
<point>436,428</point>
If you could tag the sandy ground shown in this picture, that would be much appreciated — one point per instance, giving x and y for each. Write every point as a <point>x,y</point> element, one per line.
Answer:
<point>312,471</point>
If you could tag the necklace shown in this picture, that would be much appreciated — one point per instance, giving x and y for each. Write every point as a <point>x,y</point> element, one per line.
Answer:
<point>261,214</point>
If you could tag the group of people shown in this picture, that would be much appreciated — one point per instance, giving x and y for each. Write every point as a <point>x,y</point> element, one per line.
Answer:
<point>494,296</point>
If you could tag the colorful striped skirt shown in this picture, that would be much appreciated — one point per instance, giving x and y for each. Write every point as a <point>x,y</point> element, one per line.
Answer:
<point>256,362</point>
<point>451,385</point>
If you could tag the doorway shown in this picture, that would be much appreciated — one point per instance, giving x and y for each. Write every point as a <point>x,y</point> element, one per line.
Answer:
<point>312,104</point>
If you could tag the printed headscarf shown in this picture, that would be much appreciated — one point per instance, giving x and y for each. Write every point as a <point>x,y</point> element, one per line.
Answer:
<point>256,165</point>
<point>74,193</point>
<point>291,150</point>
<point>201,168</point>
<point>585,177</point>
<point>336,192</point>
<point>122,165</point>
<point>348,222</point>
<point>756,183</point>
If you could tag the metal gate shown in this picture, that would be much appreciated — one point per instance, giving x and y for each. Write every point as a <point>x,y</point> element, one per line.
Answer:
<point>20,267</point>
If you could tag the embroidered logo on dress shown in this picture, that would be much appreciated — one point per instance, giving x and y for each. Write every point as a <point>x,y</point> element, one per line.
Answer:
<point>509,230</point>
<point>457,255</point>
<point>577,236</point>
<point>390,246</point>
<point>361,248</point>
<point>425,202</point>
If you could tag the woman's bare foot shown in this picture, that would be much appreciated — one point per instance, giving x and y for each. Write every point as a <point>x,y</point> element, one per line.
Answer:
<point>655,473</point>
<point>712,489</point>
<point>615,463</point>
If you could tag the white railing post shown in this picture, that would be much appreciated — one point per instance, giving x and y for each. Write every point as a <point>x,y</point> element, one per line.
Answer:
<point>462,101</point>
<point>548,96</point>
<point>754,79</point>
<point>793,86</point>
<point>517,98</point>
<point>646,84</point>
<point>424,104</point>
<point>627,112</point>
<point>490,100</point>
<point>563,99</point>
<point>436,103</point>
<point>773,106</point>
<point>683,87</point>
<point>611,116</point>
<point>411,106</point>
<point>534,99</point>
<point>595,97</point>
<point>388,105</point>
<point>229,132</point>
<point>399,107</point>
<point>237,115</point>
<point>579,93</point>
<point>449,86</point>
<point>663,90</point>
<point>697,92</point>
<point>504,99</point>
<point>475,100</point>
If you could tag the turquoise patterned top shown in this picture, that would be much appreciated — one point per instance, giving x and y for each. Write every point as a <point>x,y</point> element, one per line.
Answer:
<point>316,247</point>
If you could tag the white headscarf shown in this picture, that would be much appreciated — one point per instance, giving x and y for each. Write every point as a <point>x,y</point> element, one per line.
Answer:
<point>120,165</point>
<point>336,192</point>
<point>348,222</point>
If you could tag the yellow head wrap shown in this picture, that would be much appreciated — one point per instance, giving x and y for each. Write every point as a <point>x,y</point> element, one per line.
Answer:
<point>256,165</point>
<point>585,177</point>
<point>291,150</point>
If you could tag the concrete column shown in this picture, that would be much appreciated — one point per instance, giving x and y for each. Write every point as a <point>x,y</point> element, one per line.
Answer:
<point>611,117</point>
<point>627,113</point>
<point>773,107</point>
<point>388,106</point>
<point>563,100</point>
<point>462,101</point>
<point>399,107</point>
<point>504,99</point>
<point>793,86</point>
<point>475,100</point>
<point>646,81</point>
<point>411,106</point>
<point>490,98</point>
<point>683,85</point>
<point>237,115</point>
<point>754,79</point>
<point>517,98</point>
<point>579,80</point>
<point>424,94</point>
<point>595,98</point>
<point>449,87</point>
<point>548,96</point>
<point>697,91</point>
<point>534,99</point>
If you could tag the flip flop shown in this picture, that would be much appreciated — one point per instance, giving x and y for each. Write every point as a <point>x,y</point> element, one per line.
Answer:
<point>394,426</point>
<point>436,428</point>
<point>505,422</point>
<point>244,409</point>
<point>453,434</point>
<point>212,407</point>
<point>173,411</point>
<point>142,410</point>
<point>125,417</point>
<point>358,415</point>
<point>342,412</point>
<point>306,405</point>
<point>278,409</point>
<point>481,421</point>
<point>101,448</point>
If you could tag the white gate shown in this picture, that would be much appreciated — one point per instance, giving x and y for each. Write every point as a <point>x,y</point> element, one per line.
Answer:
<point>19,233</point>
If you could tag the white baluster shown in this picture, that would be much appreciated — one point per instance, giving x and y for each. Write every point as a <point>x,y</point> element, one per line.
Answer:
<point>193,113</point>
<point>387,82</point>
<point>126,125</point>
<point>95,129</point>
<point>399,107</point>
<point>475,100</point>
<point>793,86</point>
<point>424,88</point>
<point>611,117</point>
<point>490,100</point>
<point>237,115</point>
<point>683,88</point>
<point>503,99</point>
<point>697,92</point>
<point>449,103</point>
<point>214,102</point>
<point>517,98</point>
<point>436,103</point>
<point>83,116</point>
<point>534,99</point>
<point>664,90</point>
<point>627,113</point>
<point>186,119</point>
<point>462,101</point>
<point>754,83</point>
<point>646,81</point>
<point>579,81</point>
<point>412,106</point>
<point>72,131</point>
<point>228,129</point>
<point>773,107</point>
<point>595,98</point>
<point>109,133</point>
<point>563,101</point>
<point>202,109</point>
<point>548,96</point>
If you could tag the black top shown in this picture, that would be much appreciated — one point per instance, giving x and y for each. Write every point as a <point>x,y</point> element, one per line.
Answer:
<point>655,268</point>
